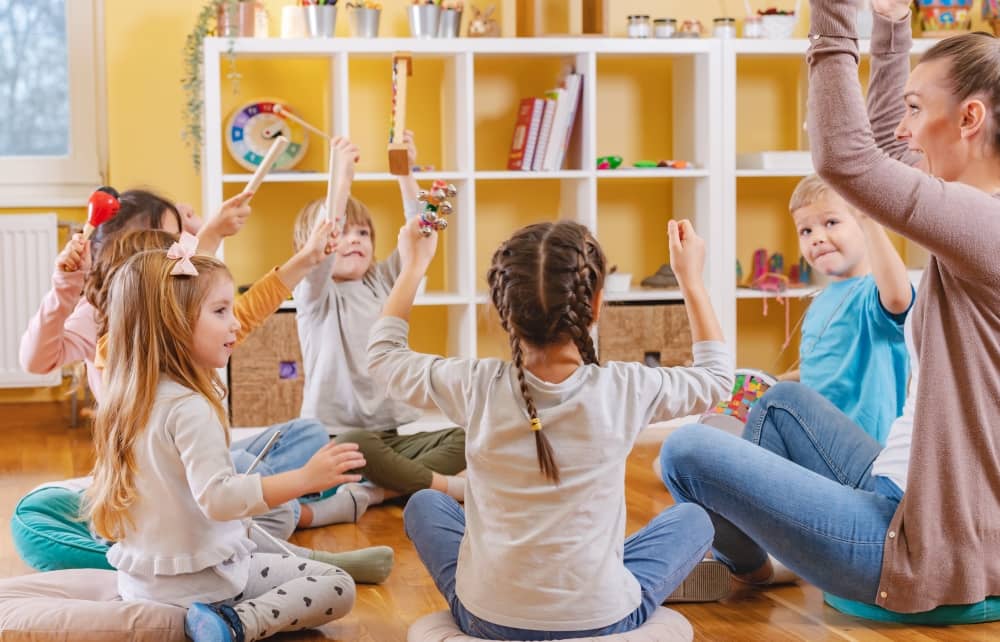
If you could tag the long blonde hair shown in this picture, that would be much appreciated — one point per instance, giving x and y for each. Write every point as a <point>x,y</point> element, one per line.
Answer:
<point>151,317</point>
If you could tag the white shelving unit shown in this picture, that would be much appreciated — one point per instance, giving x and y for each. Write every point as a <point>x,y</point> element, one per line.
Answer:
<point>704,130</point>
<point>696,72</point>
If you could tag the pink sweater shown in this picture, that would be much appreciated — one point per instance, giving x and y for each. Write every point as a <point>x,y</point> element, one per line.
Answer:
<point>943,544</point>
<point>63,331</point>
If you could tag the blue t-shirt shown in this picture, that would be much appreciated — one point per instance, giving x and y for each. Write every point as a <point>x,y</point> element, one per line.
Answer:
<point>853,353</point>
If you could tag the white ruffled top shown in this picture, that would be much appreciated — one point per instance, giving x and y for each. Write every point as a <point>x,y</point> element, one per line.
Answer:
<point>187,542</point>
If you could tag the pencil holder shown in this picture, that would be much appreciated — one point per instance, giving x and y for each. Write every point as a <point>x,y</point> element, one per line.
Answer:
<point>424,20</point>
<point>449,23</point>
<point>364,22</point>
<point>321,20</point>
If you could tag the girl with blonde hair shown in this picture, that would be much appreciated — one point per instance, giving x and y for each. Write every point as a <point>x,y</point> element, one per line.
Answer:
<point>164,486</point>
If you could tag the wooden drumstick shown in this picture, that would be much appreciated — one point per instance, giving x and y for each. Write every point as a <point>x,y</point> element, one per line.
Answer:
<point>280,110</point>
<point>277,147</point>
<point>331,187</point>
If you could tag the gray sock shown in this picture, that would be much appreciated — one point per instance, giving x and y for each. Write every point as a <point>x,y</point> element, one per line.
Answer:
<point>370,565</point>
<point>347,505</point>
<point>456,487</point>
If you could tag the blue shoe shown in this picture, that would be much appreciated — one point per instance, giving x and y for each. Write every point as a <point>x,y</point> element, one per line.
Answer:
<point>207,623</point>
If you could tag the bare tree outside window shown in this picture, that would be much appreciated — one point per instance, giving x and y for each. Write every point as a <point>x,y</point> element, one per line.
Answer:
<point>34,88</point>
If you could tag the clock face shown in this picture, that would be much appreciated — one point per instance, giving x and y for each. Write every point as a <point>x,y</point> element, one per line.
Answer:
<point>254,126</point>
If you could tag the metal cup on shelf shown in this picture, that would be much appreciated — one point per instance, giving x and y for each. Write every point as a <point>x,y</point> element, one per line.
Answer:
<point>321,20</point>
<point>449,24</point>
<point>424,20</point>
<point>364,22</point>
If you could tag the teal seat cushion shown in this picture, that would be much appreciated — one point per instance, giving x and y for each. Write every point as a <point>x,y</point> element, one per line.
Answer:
<point>986,611</point>
<point>49,535</point>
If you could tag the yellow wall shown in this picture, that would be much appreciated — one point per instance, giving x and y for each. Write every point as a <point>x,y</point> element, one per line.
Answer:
<point>144,43</point>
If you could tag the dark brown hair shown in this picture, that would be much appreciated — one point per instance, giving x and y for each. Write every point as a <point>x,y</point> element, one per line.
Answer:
<point>974,60</point>
<point>543,281</point>
<point>140,210</point>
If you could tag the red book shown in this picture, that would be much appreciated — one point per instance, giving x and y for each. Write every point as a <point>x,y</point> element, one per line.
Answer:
<point>525,130</point>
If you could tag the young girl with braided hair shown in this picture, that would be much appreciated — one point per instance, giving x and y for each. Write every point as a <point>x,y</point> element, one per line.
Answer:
<point>539,550</point>
<point>165,490</point>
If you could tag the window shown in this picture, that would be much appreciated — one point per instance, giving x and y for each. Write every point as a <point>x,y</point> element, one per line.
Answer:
<point>51,132</point>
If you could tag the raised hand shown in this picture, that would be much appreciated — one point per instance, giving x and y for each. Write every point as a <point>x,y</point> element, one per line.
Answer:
<point>892,9</point>
<point>75,256</point>
<point>416,250</point>
<point>687,252</point>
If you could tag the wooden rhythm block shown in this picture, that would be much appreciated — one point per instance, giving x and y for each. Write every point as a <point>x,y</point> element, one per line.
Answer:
<point>402,69</point>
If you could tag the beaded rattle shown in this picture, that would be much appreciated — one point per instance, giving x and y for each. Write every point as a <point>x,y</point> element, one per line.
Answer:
<point>435,208</point>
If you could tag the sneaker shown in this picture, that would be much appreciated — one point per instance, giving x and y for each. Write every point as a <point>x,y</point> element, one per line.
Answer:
<point>708,582</point>
<point>662,278</point>
<point>210,623</point>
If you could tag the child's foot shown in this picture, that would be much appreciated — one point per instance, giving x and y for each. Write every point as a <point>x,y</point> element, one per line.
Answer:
<point>772,573</point>
<point>709,581</point>
<point>208,623</point>
<point>366,565</point>
<point>347,505</point>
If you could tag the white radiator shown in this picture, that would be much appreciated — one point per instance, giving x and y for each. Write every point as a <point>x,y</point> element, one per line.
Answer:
<point>27,254</point>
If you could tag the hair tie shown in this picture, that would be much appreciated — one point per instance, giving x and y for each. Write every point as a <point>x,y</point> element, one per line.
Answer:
<point>183,250</point>
<point>536,424</point>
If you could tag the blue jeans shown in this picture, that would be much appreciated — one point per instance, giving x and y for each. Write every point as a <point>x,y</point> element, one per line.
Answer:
<point>299,441</point>
<point>660,556</point>
<point>798,486</point>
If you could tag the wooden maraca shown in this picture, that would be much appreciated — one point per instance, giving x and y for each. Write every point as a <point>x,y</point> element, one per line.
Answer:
<point>102,206</point>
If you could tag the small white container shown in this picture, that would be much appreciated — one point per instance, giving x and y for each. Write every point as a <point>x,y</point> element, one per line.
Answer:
<point>724,28</point>
<point>618,282</point>
<point>639,27</point>
<point>664,27</point>
<point>778,27</point>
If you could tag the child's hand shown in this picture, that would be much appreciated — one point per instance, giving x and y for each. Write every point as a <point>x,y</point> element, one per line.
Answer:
<point>687,252</point>
<point>327,466</point>
<point>75,256</point>
<point>231,218</point>
<point>415,249</point>
<point>345,156</point>
<point>321,243</point>
<point>892,9</point>
<point>411,148</point>
<point>190,221</point>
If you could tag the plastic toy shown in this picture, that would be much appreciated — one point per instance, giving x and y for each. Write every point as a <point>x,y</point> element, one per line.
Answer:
<point>609,162</point>
<point>644,164</point>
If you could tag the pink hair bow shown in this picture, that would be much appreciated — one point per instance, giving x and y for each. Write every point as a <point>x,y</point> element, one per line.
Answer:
<point>183,250</point>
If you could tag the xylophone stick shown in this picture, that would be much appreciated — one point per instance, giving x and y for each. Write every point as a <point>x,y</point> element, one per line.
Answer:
<point>399,161</point>
<point>280,109</point>
<point>277,147</point>
<point>331,188</point>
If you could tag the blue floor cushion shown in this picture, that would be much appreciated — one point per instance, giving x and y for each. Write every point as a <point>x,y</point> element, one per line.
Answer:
<point>49,536</point>
<point>986,611</point>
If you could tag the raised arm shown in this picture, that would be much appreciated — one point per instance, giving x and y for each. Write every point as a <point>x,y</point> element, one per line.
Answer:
<point>895,292</point>
<point>64,329</point>
<point>959,224</point>
<point>890,66</point>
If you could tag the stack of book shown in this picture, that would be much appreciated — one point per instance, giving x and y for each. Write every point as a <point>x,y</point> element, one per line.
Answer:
<point>544,128</point>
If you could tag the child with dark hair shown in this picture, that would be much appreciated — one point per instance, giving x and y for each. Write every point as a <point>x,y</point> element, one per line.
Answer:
<point>539,551</point>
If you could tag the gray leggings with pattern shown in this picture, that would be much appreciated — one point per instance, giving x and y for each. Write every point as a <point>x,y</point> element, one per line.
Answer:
<point>286,593</point>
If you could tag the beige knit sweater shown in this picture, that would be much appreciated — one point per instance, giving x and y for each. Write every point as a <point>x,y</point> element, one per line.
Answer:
<point>943,544</point>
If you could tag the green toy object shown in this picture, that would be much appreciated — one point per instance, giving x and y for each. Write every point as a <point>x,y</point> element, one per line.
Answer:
<point>609,162</point>
<point>644,164</point>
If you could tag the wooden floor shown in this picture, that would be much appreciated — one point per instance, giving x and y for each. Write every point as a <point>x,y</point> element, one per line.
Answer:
<point>36,446</point>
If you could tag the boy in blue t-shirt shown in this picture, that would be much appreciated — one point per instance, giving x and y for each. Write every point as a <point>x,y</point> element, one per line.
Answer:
<point>852,349</point>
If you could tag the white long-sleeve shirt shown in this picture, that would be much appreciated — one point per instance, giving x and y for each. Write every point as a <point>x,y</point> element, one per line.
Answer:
<point>188,543</point>
<point>535,555</point>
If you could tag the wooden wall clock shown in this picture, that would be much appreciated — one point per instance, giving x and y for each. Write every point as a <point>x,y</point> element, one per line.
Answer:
<point>253,126</point>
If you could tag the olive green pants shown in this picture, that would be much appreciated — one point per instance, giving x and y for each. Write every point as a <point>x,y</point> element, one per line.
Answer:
<point>404,463</point>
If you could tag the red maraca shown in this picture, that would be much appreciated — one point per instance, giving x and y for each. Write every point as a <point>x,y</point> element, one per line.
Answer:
<point>102,205</point>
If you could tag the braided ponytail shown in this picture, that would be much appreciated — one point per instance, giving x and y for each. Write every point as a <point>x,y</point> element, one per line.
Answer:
<point>543,281</point>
